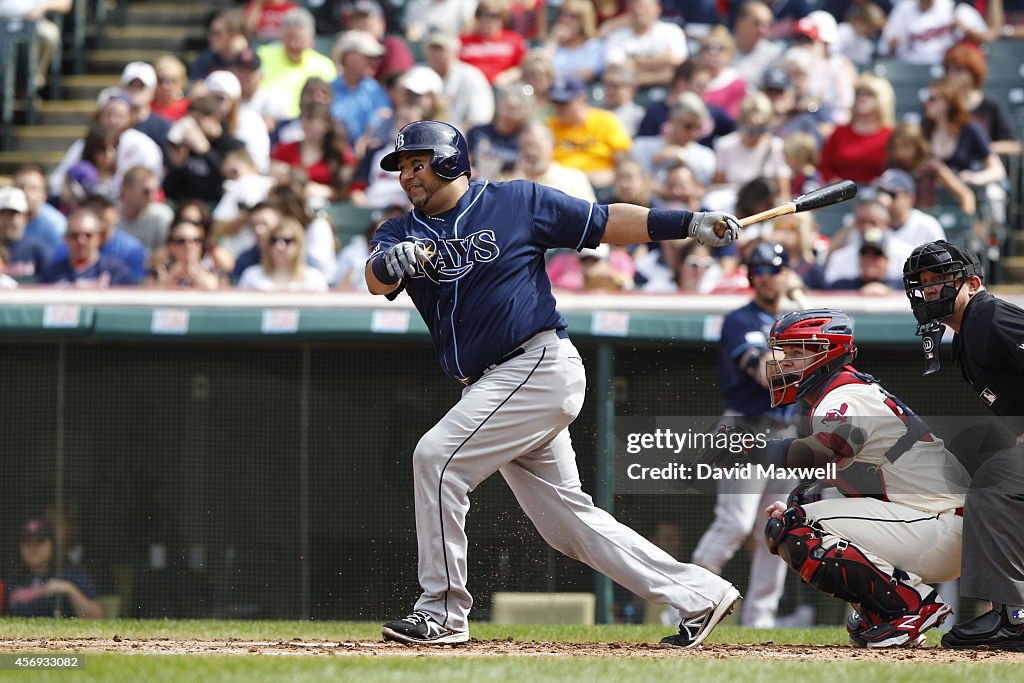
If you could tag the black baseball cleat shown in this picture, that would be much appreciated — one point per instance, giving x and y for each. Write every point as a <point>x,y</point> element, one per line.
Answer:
<point>419,628</point>
<point>693,630</point>
<point>991,630</point>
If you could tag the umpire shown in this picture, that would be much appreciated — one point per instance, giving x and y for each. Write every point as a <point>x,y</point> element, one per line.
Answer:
<point>944,285</point>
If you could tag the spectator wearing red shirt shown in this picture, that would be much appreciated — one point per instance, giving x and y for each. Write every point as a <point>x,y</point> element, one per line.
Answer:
<point>323,153</point>
<point>169,99</point>
<point>857,151</point>
<point>262,18</point>
<point>491,47</point>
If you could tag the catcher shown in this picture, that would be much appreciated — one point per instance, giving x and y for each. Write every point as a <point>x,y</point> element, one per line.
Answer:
<point>890,522</point>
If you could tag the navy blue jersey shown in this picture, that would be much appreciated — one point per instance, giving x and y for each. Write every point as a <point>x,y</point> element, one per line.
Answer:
<point>485,290</point>
<point>745,328</point>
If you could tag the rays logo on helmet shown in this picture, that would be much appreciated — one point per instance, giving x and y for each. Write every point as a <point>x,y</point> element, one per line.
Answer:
<point>400,141</point>
<point>452,258</point>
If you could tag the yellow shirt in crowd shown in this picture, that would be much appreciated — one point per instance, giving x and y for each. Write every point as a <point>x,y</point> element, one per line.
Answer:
<point>286,79</point>
<point>592,145</point>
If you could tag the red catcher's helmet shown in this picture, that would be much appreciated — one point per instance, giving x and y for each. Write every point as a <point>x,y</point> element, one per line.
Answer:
<point>825,335</point>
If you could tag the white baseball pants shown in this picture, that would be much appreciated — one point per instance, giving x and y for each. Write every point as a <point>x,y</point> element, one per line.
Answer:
<point>515,420</point>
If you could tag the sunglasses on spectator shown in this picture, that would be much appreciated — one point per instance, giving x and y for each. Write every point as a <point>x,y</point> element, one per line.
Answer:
<point>186,240</point>
<point>765,270</point>
<point>690,125</point>
<point>713,47</point>
<point>82,234</point>
<point>286,241</point>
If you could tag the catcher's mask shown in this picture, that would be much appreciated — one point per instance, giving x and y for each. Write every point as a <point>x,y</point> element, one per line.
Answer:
<point>807,348</point>
<point>933,297</point>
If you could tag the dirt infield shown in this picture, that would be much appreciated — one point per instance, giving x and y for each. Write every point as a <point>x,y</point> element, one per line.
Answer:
<point>496,648</point>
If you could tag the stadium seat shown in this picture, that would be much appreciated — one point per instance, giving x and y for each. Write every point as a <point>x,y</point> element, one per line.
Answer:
<point>348,219</point>
<point>953,220</point>
<point>1005,63</point>
<point>324,45</point>
<point>831,218</point>
<point>903,74</point>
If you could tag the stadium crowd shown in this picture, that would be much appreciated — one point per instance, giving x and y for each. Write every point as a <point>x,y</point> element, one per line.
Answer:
<point>226,172</point>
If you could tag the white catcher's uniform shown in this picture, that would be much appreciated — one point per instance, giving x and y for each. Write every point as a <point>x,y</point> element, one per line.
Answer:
<point>515,420</point>
<point>904,511</point>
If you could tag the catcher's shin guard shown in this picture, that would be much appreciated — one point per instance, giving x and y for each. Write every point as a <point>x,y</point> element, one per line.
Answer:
<point>841,570</point>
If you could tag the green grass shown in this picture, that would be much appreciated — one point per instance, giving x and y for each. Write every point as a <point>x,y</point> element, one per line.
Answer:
<point>242,669</point>
<point>331,667</point>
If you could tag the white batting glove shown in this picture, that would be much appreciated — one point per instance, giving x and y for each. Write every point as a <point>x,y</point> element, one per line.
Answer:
<point>703,224</point>
<point>401,259</point>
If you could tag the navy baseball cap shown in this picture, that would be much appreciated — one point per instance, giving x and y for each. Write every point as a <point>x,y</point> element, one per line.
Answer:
<point>874,240</point>
<point>775,78</point>
<point>895,180</point>
<point>566,89</point>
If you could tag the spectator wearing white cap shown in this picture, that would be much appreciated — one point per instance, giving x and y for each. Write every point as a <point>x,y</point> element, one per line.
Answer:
<point>833,74</point>
<point>134,148</point>
<point>288,64</point>
<point>359,100</point>
<point>26,254</point>
<point>138,82</point>
<point>467,93</point>
<point>240,121</point>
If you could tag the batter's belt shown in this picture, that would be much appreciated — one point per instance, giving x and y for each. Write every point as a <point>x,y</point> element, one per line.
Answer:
<point>540,339</point>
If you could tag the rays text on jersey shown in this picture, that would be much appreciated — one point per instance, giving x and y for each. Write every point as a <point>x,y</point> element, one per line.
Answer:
<point>451,258</point>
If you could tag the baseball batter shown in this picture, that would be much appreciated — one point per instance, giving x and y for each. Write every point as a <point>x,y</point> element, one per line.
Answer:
<point>471,257</point>
<point>891,521</point>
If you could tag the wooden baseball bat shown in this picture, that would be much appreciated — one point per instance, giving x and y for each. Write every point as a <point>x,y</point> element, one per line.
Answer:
<point>840,191</point>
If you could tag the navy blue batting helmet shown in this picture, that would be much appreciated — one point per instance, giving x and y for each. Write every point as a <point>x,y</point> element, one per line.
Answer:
<point>451,154</point>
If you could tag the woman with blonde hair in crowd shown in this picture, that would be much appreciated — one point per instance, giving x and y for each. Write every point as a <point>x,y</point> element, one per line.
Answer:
<point>282,265</point>
<point>576,49</point>
<point>318,239</point>
<point>726,89</point>
<point>752,151</point>
<point>908,150</point>
<point>169,99</point>
<point>856,151</point>
<point>186,263</point>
